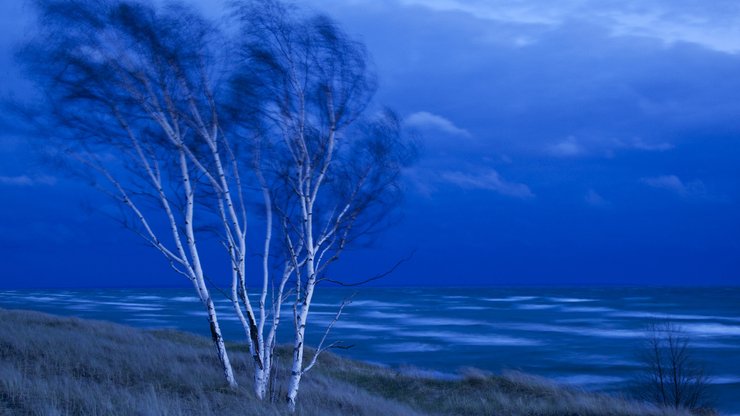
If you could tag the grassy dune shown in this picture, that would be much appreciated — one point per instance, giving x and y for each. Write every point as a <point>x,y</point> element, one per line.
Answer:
<point>53,365</point>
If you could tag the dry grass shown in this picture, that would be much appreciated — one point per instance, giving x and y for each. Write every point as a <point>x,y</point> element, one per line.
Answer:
<point>481,393</point>
<point>65,366</point>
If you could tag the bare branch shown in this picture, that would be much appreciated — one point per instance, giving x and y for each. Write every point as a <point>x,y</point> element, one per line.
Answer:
<point>373,278</point>
<point>321,347</point>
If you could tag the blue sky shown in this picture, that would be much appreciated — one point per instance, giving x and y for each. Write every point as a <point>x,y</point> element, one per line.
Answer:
<point>568,142</point>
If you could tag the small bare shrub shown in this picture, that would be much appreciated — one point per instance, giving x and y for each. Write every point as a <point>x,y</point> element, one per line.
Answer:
<point>671,376</point>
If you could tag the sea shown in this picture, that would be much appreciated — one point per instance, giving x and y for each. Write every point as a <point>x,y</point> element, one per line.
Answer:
<point>588,337</point>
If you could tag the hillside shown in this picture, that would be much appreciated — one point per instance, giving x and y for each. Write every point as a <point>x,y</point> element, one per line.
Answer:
<point>53,365</point>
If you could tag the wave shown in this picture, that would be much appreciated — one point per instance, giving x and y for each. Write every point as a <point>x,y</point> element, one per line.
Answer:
<point>573,330</point>
<point>674,316</point>
<point>587,309</point>
<point>441,322</point>
<point>732,379</point>
<point>457,338</point>
<point>712,345</point>
<point>40,298</point>
<point>378,304</point>
<point>467,308</point>
<point>361,326</point>
<point>572,300</point>
<point>185,299</point>
<point>385,315</point>
<point>408,347</point>
<point>510,299</point>
<point>535,307</point>
<point>708,329</point>
<point>145,297</point>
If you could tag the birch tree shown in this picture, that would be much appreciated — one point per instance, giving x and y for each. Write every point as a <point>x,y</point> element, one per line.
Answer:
<point>329,172</point>
<point>130,94</point>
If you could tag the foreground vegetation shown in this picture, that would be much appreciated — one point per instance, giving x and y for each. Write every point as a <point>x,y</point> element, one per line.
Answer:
<point>53,365</point>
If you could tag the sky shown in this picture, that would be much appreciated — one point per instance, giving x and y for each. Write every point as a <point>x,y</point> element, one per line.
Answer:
<point>563,143</point>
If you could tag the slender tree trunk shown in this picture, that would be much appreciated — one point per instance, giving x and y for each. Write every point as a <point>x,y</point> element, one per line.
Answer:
<point>261,378</point>
<point>199,282</point>
<point>218,341</point>
<point>296,371</point>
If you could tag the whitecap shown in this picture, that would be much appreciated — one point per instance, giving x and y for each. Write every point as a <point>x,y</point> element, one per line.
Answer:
<point>672,316</point>
<point>712,345</point>
<point>39,298</point>
<point>510,299</point>
<point>311,313</point>
<point>708,329</point>
<point>378,304</point>
<point>467,308</point>
<point>360,326</point>
<point>585,331</point>
<point>572,300</point>
<point>441,322</point>
<point>325,305</point>
<point>535,307</point>
<point>591,321</point>
<point>129,304</point>
<point>385,315</point>
<point>185,299</point>
<point>587,309</point>
<point>471,339</point>
<point>408,347</point>
<point>731,379</point>
<point>144,297</point>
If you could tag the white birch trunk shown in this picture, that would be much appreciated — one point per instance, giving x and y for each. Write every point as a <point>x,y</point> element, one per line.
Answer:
<point>261,379</point>
<point>218,341</point>
<point>199,281</point>
<point>296,371</point>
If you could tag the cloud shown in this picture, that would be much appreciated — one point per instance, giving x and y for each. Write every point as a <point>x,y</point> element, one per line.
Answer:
<point>716,28</point>
<point>489,180</point>
<point>569,147</point>
<point>674,184</point>
<point>507,12</point>
<point>426,120</point>
<point>25,180</point>
<point>671,25</point>
<point>638,143</point>
<point>594,199</point>
<point>573,147</point>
